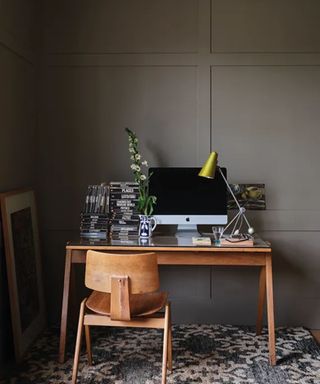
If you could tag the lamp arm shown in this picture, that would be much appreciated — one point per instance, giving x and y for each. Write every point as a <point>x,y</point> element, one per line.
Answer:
<point>246,220</point>
<point>229,189</point>
<point>236,223</point>
<point>235,218</point>
<point>241,209</point>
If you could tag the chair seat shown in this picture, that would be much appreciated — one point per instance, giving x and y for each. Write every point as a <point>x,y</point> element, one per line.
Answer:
<point>140,304</point>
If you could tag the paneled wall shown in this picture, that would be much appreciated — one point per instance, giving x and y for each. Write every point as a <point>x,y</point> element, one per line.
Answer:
<point>17,122</point>
<point>17,93</point>
<point>189,76</point>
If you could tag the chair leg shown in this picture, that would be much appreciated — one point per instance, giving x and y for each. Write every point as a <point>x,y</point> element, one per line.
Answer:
<point>165,346</point>
<point>78,343</point>
<point>88,343</point>
<point>169,365</point>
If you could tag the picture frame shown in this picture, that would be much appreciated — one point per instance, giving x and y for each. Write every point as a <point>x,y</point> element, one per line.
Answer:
<point>22,252</point>
<point>250,196</point>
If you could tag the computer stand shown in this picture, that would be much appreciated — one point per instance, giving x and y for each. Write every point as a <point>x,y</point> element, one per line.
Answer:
<point>187,230</point>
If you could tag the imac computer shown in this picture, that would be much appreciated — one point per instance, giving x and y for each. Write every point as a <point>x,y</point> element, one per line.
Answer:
<point>187,200</point>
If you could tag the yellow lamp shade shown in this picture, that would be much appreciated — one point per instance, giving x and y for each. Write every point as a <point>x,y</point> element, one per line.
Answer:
<point>209,168</point>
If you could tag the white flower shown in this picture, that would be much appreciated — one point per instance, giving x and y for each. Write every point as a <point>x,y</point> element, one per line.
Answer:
<point>135,167</point>
<point>131,150</point>
<point>137,156</point>
<point>145,163</point>
<point>132,157</point>
<point>143,177</point>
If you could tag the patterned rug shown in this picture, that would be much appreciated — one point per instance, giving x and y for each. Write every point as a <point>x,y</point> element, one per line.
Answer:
<point>201,354</point>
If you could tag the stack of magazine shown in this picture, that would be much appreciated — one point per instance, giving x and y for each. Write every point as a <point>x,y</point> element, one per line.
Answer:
<point>124,222</point>
<point>94,219</point>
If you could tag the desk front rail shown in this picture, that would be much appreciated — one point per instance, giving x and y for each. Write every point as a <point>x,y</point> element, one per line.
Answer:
<point>187,257</point>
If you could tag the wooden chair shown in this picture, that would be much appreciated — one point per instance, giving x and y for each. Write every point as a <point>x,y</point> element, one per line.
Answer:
<point>125,294</point>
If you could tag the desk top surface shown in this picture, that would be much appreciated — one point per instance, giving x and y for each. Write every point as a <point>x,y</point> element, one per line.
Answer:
<point>180,242</point>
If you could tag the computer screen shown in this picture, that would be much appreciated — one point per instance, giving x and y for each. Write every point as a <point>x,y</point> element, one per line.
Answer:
<point>185,198</point>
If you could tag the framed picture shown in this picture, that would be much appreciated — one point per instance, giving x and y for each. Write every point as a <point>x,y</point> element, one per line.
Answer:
<point>21,243</point>
<point>250,196</point>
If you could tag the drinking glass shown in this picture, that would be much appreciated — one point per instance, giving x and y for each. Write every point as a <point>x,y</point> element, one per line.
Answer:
<point>217,233</point>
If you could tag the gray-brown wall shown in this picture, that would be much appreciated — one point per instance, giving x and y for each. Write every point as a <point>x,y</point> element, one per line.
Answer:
<point>17,119</point>
<point>238,77</point>
<point>17,94</point>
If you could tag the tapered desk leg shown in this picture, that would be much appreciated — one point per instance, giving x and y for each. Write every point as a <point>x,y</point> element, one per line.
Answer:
<point>64,312</point>
<point>261,300</point>
<point>270,311</point>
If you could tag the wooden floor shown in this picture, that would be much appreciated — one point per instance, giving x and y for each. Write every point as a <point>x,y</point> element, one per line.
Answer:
<point>316,334</point>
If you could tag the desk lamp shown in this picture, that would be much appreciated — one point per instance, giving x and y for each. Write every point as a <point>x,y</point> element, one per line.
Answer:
<point>208,170</point>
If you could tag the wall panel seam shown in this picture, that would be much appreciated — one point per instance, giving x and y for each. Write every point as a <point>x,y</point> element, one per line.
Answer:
<point>126,66</point>
<point>24,54</point>
<point>211,109</point>
<point>180,60</point>
<point>266,65</point>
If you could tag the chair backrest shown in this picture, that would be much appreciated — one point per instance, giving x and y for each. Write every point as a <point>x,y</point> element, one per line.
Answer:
<point>141,269</point>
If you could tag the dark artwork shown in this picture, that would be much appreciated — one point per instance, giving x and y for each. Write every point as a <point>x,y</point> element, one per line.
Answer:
<point>250,196</point>
<point>6,341</point>
<point>25,263</point>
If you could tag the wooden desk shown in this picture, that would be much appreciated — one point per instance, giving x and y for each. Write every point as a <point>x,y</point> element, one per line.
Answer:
<point>180,251</point>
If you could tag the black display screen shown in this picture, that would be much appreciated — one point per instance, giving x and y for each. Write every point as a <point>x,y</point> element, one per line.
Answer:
<point>180,191</point>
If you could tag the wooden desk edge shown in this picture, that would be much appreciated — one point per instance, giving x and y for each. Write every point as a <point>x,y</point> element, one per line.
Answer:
<point>169,249</point>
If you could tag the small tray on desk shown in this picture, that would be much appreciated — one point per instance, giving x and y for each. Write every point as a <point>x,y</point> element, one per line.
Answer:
<point>242,240</point>
<point>237,242</point>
